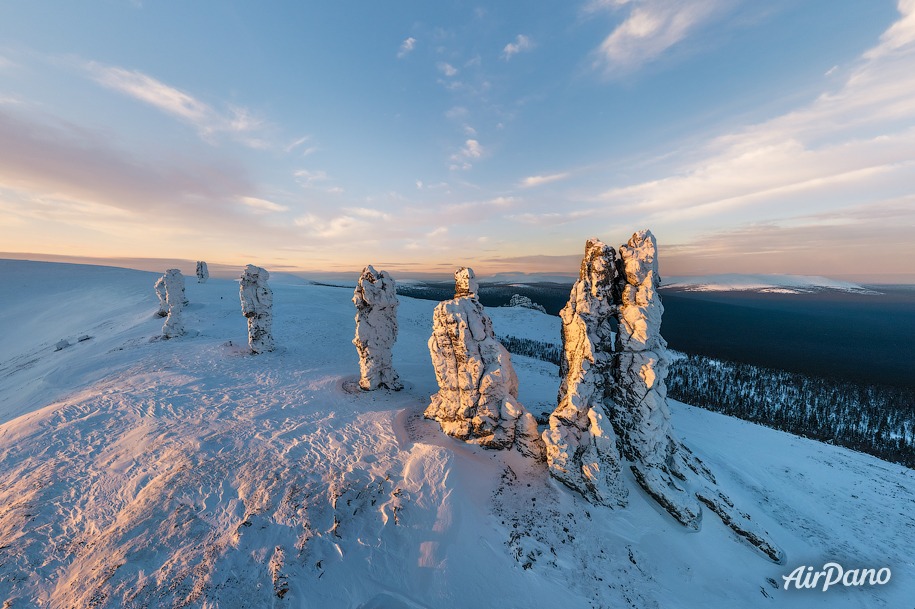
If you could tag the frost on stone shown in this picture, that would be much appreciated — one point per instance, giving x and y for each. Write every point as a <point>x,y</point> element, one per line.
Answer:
<point>203,273</point>
<point>640,392</point>
<point>477,399</point>
<point>173,282</point>
<point>160,292</point>
<point>582,447</point>
<point>376,329</point>
<point>257,305</point>
<point>517,300</point>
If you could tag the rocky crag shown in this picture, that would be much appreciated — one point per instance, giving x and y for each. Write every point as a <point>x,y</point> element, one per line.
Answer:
<point>376,302</point>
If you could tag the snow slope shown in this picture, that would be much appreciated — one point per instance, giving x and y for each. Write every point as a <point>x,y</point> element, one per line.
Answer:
<point>139,473</point>
<point>780,284</point>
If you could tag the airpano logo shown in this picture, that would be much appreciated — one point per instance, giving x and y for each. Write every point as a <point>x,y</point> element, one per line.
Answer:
<point>833,574</point>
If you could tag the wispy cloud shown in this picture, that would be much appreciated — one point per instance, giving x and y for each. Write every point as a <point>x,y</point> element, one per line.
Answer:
<point>262,205</point>
<point>540,180</point>
<point>650,28</point>
<point>447,69</point>
<point>236,120</point>
<point>406,47</point>
<point>471,151</point>
<point>521,44</point>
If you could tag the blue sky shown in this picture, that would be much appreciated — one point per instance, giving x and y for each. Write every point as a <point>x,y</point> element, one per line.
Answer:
<point>774,137</point>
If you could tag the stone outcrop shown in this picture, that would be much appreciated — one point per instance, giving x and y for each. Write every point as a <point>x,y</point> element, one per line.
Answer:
<point>477,399</point>
<point>257,305</point>
<point>582,447</point>
<point>517,300</point>
<point>641,395</point>
<point>376,329</point>
<point>203,273</point>
<point>160,292</point>
<point>173,282</point>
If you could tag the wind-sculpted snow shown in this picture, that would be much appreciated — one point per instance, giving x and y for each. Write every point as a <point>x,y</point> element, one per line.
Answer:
<point>257,306</point>
<point>477,400</point>
<point>175,298</point>
<point>582,448</point>
<point>376,329</point>
<point>203,272</point>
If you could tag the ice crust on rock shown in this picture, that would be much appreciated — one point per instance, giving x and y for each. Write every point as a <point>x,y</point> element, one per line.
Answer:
<point>376,329</point>
<point>582,447</point>
<point>477,399</point>
<point>203,273</point>
<point>173,282</point>
<point>640,391</point>
<point>518,300</point>
<point>160,292</point>
<point>257,305</point>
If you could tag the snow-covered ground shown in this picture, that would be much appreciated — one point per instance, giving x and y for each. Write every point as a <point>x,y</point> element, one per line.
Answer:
<point>150,473</point>
<point>778,284</point>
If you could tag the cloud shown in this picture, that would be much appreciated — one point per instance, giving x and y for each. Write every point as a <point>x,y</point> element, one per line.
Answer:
<point>471,150</point>
<point>6,64</point>
<point>447,69</point>
<point>308,177</point>
<point>854,143</point>
<point>521,44</point>
<point>650,29</point>
<point>406,47</point>
<point>534,181</point>
<point>237,120</point>
<point>262,205</point>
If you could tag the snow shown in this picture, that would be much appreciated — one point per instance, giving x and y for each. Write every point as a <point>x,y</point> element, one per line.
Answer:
<point>376,303</point>
<point>776,284</point>
<point>189,473</point>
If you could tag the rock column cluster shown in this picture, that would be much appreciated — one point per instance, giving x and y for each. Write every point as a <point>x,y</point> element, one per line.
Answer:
<point>257,305</point>
<point>376,329</point>
<point>477,399</point>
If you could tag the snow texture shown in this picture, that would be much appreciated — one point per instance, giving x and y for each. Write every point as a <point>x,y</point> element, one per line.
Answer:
<point>776,284</point>
<point>582,448</point>
<point>477,400</point>
<point>257,305</point>
<point>376,329</point>
<point>203,273</point>
<point>518,300</point>
<point>175,298</point>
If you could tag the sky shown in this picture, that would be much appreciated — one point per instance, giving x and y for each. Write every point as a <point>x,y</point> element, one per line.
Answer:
<point>750,137</point>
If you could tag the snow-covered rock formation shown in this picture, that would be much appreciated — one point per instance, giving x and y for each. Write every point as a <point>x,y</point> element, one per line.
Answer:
<point>160,292</point>
<point>203,273</point>
<point>173,282</point>
<point>517,300</point>
<point>582,447</point>
<point>376,329</point>
<point>641,395</point>
<point>477,399</point>
<point>257,305</point>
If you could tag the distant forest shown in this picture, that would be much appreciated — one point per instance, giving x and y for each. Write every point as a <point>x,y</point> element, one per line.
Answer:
<point>872,419</point>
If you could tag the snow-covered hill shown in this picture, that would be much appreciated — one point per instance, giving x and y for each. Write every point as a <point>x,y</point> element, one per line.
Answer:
<point>138,473</point>
<point>777,284</point>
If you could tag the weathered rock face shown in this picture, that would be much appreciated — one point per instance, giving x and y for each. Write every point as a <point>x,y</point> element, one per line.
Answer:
<point>203,273</point>
<point>477,399</point>
<point>582,448</point>
<point>376,329</point>
<point>173,281</point>
<point>642,415</point>
<point>257,305</point>
<point>160,292</point>
<point>517,300</point>
<point>465,283</point>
